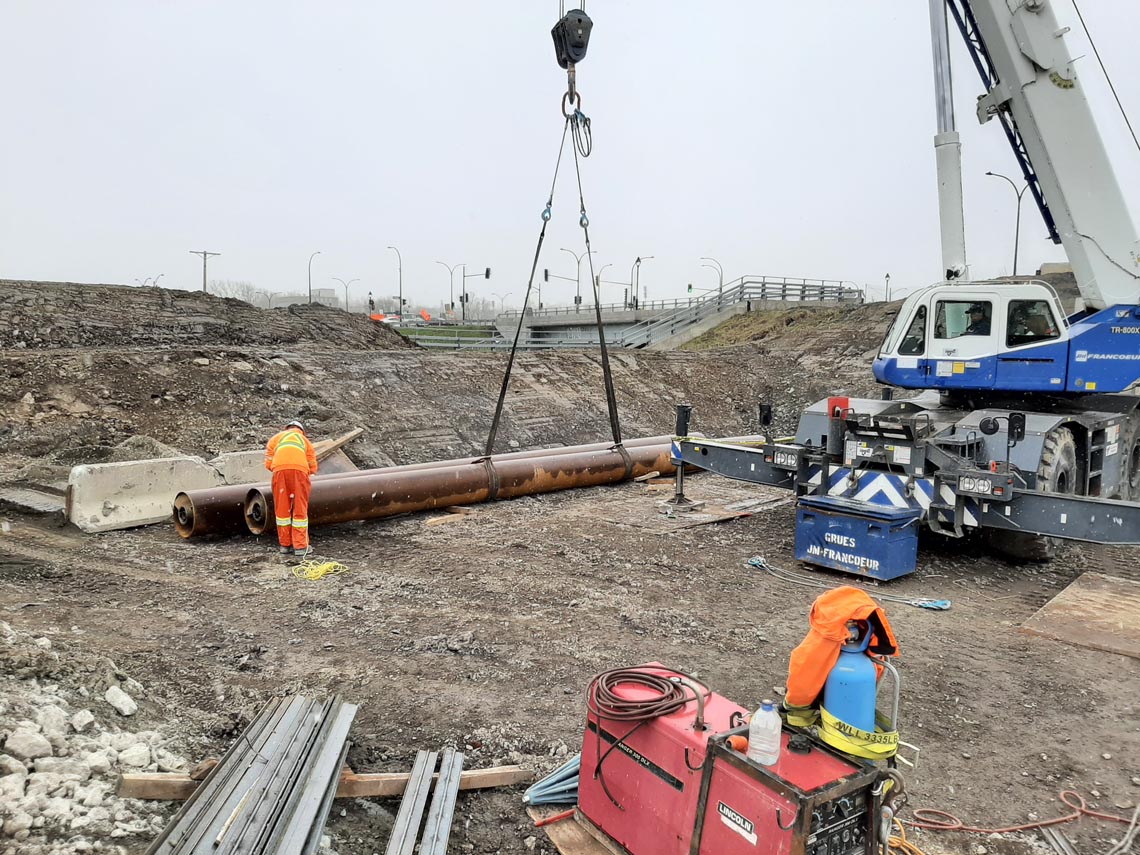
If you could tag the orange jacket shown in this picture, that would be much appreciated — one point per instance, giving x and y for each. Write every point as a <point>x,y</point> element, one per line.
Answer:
<point>291,449</point>
<point>817,654</point>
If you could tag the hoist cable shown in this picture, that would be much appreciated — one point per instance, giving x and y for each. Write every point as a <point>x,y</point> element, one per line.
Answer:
<point>546,215</point>
<point>1111,85</point>
<point>584,221</point>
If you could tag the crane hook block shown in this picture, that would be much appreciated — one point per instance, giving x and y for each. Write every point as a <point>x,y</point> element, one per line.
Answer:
<point>572,37</point>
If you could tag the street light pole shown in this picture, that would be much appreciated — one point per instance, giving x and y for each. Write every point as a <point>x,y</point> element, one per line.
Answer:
<point>311,257</point>
<point>451,284</point>
<point>345,284</point>
<point>887,289</point>
<point>578,274</point>
<point>159,276</point>
<point>635,276</point>
<point>400,268</point>
<point>1017,228</point>
<point>598,279</point>
<point>204,255</point>
<point>720,276</point>
<point>502,299</point>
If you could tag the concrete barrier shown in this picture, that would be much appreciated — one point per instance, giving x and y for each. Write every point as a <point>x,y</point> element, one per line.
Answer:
<point>241,467</point>
<point>109,496</point>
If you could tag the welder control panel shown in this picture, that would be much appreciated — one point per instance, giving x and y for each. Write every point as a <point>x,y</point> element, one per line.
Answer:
<point>839,827</point>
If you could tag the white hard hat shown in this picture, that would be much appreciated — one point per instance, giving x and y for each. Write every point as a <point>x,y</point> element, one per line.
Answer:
<point>295,424</point>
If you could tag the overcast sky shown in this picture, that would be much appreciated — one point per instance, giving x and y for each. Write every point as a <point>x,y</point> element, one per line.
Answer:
<point>782,138</point>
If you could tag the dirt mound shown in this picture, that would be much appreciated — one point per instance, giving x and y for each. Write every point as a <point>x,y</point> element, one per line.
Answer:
<point>47,315</point>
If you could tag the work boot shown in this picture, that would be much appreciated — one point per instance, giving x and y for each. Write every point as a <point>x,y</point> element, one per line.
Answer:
<point>302,554</point>
<point>285,550</point>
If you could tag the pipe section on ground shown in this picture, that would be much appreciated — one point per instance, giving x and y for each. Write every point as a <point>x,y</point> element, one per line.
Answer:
<point>390,492</point>
<point>221,510</point>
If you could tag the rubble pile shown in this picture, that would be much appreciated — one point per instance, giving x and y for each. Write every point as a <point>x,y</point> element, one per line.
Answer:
<point>64,739</point>
<point>53,315</point>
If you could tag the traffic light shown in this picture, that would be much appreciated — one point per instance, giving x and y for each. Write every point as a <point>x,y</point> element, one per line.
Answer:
<point>487,275</point>
<point>546,274</point>
<point>690,287</point>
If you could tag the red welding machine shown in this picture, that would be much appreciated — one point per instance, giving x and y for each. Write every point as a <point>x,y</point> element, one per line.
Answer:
<point>660,777</point>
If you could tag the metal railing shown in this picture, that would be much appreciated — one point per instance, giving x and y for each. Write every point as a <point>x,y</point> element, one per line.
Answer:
<point>669,316</point>
<point>783,289</point>
<point>744,290</point>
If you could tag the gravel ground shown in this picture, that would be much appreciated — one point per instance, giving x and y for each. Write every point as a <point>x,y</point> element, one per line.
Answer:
<point>482,634</point>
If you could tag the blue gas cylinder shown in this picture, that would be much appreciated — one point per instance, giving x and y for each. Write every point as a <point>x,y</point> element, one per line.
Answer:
<point>849,692</point>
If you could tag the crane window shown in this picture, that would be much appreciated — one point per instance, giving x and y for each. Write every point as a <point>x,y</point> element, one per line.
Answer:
<point>1030,321</point>
<point>956,318</point>
<point>914,342</point>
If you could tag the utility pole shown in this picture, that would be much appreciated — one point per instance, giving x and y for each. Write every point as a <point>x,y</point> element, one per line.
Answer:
<point>204,255</point>
<point>400,268</point>
<point>486,274</point>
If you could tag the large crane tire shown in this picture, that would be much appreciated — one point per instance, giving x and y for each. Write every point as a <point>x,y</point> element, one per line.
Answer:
<point>1056,473</point>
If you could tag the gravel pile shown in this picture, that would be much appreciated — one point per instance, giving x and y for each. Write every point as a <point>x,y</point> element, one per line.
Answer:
<point>64,739</point>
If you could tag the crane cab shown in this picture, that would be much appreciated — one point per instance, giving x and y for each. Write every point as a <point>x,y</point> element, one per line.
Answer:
<point>978,336</point>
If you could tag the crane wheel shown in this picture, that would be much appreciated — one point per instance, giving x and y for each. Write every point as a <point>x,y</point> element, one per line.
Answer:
<point>1130,449</point>
<point>1056,473</point>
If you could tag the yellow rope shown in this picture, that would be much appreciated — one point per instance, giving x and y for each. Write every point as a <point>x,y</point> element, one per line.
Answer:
<point>314,570</point>
<point>900,845</point>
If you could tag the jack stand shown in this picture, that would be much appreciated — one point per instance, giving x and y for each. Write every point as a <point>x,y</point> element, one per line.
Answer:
<point>680,503</point>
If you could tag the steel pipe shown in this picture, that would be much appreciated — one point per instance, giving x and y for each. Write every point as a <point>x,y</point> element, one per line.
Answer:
<point>390,492</point>
<point>221,510</point>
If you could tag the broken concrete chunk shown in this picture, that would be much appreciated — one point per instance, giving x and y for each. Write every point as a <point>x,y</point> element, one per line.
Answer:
<point>82,720</point>
<point>121,701</point>
<point>138,755</point>
<point>52,721</point>
<point>65,766</point>
<point>201,360</point>
<point>24,744</point>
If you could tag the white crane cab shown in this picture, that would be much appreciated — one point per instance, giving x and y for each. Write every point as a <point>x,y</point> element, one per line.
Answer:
<point>1002,336</point>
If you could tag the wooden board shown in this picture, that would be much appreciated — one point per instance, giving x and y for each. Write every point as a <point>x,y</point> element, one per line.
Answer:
<point>173,786</point>
<point>327,446</point>
<point>1097,611</point>
<point>573,836</point>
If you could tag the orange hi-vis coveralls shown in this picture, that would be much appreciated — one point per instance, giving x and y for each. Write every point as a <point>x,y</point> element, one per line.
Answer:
<point>292,459</point>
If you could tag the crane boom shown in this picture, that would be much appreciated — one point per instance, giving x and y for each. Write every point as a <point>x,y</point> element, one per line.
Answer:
<point>1019,49</point>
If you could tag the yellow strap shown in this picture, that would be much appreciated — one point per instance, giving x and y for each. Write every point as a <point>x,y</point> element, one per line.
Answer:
<point>880,745</point>
<point>314,570</point>
<point>801,716</point>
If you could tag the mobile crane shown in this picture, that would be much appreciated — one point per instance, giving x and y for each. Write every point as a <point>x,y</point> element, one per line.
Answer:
<point>869,474</point>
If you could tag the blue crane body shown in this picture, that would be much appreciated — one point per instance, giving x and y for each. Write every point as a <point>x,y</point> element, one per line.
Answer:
<point>1026,427</point>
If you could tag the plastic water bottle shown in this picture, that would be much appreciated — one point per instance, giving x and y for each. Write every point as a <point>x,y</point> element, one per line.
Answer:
<point>764,735</point>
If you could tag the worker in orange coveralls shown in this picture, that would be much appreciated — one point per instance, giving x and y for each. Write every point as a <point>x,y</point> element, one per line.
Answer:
<point>292,459</point>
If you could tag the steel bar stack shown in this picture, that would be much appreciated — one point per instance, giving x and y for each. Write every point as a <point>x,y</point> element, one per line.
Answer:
<point>272,791</point>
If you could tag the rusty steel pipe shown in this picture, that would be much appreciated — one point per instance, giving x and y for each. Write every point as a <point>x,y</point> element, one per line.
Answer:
<point>387,493</point>
<point>221,510</point>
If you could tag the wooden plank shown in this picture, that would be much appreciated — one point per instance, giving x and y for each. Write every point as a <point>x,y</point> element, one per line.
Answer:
<point>648,476</point>
<point>571,836</point>
<point>327,446</point>
<point>1096,611</point>
<point>172,786</point>
<point>446,518</point>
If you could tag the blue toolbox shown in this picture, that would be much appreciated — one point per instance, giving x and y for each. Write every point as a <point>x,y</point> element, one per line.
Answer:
<point>857,537</point>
